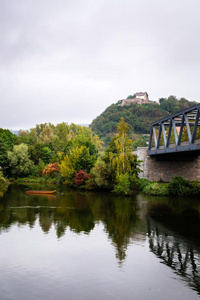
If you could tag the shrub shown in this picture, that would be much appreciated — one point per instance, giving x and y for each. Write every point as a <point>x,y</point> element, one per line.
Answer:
<point>140,183</point>
<point>101,175</point>
<point>123,185</point>
<point>179,186</point>
<point>51,170</point>
<point>81,177</point>
<point>155,188</point>
<point>195,188</point>
<point>38,169</point>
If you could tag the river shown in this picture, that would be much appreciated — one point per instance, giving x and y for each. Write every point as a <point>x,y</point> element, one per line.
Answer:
<point>86,245</point>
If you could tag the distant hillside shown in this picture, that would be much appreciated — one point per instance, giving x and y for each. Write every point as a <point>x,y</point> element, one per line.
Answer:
<point>138,116</point>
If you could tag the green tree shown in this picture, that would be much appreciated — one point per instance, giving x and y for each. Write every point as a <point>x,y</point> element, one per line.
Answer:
<point>140,141</point>
<point>19,161</point>
<point>26,137</point>
<point>122,161</point>
<point>85,137</point>
<point>78,158</point>
<point>61,137</point>
<point>7,140</point>
<point>123,184</point>
<point>47,135</point>
<point>161,100</point>
<point>101,176</point>
<point>46,154</point>
<point>131,96</point>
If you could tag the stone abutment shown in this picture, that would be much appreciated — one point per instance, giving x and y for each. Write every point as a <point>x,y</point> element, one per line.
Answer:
<point>156,170</point>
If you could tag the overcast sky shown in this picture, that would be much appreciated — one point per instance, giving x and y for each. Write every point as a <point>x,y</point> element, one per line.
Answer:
<point>68,60</point>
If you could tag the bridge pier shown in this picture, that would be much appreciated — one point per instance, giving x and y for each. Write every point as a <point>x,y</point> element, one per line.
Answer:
<point>156,169</point>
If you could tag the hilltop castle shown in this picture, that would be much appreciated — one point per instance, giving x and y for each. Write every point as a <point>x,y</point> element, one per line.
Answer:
<point>138,98</point>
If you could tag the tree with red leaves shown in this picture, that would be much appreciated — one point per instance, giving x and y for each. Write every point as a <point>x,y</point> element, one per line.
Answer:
<point>51,170</point>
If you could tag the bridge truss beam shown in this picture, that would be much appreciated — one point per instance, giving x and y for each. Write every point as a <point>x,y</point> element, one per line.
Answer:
<point>179,132</point>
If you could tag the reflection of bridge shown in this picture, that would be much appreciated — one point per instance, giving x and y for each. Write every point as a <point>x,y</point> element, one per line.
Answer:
<point>175,252</point>
<point>177,133</point>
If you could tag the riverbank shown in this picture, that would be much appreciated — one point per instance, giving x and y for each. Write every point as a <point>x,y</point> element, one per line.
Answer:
<point>41,180</point>
<point>177,187</point>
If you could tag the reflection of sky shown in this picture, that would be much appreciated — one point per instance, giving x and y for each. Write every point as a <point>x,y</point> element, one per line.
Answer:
<point>35,265</point>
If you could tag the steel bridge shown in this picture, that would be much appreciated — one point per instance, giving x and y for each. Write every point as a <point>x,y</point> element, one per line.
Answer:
<point>176,135</point>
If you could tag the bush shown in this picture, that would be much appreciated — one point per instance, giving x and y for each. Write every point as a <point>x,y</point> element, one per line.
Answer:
<point>195,186</point>
<point>155,188</point>
<point>51,170</point>
<point>101,176</point>
<point>179,186</point>
<point>38,169</point>
<point>81,177</point>
<point>140,183</point>
<point>123,185</point>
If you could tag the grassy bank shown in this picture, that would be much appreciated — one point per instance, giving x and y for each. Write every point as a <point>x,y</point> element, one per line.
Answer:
<point>152,188</point>
<point>177,187</point>
<point>41,180</point>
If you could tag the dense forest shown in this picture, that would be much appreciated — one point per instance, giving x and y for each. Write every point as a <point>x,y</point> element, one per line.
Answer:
<point>138,117</point>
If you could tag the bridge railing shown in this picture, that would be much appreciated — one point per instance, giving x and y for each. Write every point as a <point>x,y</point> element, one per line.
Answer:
<point>176,133</point>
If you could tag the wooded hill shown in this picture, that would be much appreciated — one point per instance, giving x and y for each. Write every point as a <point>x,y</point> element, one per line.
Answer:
<point>139,117</point>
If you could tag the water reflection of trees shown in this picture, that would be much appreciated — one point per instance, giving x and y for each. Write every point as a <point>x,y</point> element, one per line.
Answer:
<point>119,221</point>
<point>175,248</point>
<point>77,211</point>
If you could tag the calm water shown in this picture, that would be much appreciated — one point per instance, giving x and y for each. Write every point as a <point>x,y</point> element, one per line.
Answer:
<point>98,246</point>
